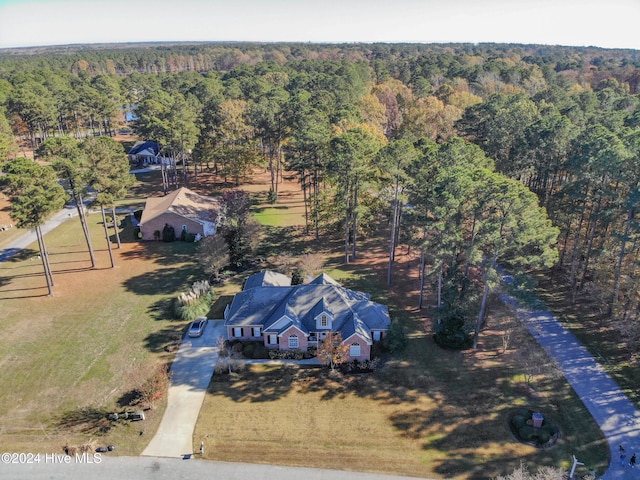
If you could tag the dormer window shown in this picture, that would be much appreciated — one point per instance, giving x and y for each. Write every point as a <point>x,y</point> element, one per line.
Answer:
<point>324,320</point>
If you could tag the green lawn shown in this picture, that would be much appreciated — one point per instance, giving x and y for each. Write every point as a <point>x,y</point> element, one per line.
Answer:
<point>67,359</point>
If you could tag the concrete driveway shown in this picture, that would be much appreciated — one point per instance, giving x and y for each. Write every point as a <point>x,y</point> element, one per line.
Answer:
<point>191,373</point>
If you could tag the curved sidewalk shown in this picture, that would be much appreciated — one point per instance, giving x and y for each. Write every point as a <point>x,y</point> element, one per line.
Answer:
<point>616,415</point>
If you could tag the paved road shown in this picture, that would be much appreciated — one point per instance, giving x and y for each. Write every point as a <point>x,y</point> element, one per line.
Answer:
<point>191,373</point>
<point>143,468</point>
<point>616,415</point>
<point>29,237</point>
<point>67,212</point>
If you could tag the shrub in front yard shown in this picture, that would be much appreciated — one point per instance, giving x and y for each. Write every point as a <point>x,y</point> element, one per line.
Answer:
<point>286,354</point>
<point>454,331</point>
<point>195,303</point>
<point>519,421</point>
<point>395,340</point>
<point>526,433</point>
<point>229,366</point>
<point>168,233</point>
<point>153,385</point>
<point>521,425</point>
<point>360,367</point>
<point>260,351</point>
<point>249,348</point>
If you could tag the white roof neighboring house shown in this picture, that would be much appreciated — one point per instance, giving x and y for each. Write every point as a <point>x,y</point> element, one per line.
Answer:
<point>267,278</point>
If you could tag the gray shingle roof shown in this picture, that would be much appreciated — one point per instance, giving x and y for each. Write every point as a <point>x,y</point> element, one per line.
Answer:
<point>352,312</point>
<point>152,148</point>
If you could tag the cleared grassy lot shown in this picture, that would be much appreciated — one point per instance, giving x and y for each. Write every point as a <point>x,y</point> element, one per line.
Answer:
<point>66,360</point>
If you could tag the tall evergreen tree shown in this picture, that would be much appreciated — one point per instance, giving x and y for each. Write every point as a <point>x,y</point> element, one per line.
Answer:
<point>394,161</point>
<point>69,162</point>
<point>35,194</point>
<point>352,170</point>
<point>109,177</point>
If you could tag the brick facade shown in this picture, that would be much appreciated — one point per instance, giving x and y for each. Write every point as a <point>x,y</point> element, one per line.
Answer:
<point>176,221</point>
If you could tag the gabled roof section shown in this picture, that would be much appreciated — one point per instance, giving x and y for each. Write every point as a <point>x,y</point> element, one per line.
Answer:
<point>321,306</point>
<point>278,327</point>
<point>376,314</point>
<point>290,326</point>
<point>145,149</point>
<point>183,202</point>
<point>355,326</point>
<point>323,279</point>
<point>253,306</point>
<point>267,278</point>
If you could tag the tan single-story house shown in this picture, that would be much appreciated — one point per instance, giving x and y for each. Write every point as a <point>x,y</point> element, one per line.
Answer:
<point>182,209</point>
<point>295,317</point>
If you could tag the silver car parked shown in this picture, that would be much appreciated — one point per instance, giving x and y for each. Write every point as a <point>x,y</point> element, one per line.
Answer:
<point>197,327</point>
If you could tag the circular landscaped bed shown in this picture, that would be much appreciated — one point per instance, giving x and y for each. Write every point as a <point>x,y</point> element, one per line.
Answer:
<point>533,428</point>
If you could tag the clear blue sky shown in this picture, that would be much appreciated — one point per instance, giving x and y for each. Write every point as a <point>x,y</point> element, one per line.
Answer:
<point>602,23</point>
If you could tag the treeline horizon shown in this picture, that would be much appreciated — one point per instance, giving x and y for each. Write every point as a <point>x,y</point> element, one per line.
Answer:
<point>172,57</point>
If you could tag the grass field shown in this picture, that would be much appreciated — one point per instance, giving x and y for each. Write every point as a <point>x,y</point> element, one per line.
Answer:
<point>287,212</point>
<point>66,360</point>
<point>426,412</point>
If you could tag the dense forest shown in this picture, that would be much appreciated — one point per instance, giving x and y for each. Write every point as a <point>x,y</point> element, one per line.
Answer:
<point>477,155</point>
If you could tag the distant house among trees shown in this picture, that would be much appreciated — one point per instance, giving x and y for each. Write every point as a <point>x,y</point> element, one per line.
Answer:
<point>184,211</point>
<point>146,153</point>
<point>295,317</point>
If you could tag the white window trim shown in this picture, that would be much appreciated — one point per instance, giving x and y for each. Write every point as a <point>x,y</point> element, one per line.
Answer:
<point>291,343</point>
<point>258,329</point>
<point>353,348</point>
<point>329,324</point>
<point>237,330</point>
